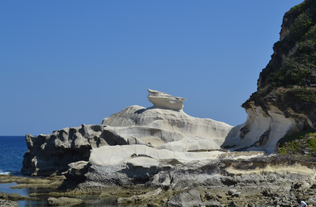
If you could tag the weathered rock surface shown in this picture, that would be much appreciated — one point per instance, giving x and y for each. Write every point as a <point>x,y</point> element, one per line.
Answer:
<point>8,203</point>
<point>28,182</point>
<point>165,129</point>
<point>165,101</point>
<point>156,128</point>
<point>233,179</point>
<point>185,199</point>
<point>261,131</point>
<point>144,198</point>
<point>15,197</point>
<point>63,201</point>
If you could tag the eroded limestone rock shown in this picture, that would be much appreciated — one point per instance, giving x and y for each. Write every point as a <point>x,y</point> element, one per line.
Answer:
<point>153,127</point>
<point>262,130</point>
<point>165,101</point>
<point>165,129</point>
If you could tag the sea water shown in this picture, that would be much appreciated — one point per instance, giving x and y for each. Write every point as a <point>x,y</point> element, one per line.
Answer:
<point>12,149</point>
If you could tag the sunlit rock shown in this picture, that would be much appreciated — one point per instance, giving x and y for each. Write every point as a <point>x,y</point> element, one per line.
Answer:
<point>261,131</point>
<point>165,101</point>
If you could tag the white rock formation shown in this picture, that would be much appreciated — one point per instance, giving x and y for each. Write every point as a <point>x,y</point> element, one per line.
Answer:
<point>261,131</point>
<point>156,128</point>
<point>166,129</point>
<point>144,156</point>
<point>165,101</point>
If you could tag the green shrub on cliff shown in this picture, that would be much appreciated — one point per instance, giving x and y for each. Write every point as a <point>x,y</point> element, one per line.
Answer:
<point>292,67</point>
<point>300,143</point>
<point>294,57</point>
<point>304,21</point>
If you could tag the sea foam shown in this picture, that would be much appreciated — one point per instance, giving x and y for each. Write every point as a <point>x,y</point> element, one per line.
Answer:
<point>4,173</point>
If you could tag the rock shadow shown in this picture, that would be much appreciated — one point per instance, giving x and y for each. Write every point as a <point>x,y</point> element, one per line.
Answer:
<point>140,111</point>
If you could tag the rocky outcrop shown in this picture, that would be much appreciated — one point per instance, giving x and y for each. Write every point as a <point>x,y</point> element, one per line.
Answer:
<point>285,100</point>
<point>63,201</point>
<point>261,131</point>
<point>185,199</point>
<point>164,129</point>
<point>28,182</point>
<point>48,154</point>
<point>130,165</point>
<point>217,171</point>
<point>15,197</point>
<point>165,101</point>
<point>8,203</point>
<point>155,128</point>
<point>238,178</point>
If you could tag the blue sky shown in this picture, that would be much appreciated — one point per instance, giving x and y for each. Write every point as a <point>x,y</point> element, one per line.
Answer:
<point>64,63</point>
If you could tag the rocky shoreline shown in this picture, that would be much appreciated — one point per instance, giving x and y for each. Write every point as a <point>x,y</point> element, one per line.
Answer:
<point>232,180</point>
<point>161,156</point>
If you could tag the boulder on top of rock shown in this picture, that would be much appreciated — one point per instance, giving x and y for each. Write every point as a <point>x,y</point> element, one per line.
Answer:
<point>165,101</point>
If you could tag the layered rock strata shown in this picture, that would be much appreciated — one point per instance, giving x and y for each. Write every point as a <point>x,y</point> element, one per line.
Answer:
<point>241,177</point>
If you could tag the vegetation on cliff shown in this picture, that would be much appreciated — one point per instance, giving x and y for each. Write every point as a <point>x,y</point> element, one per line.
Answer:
<point>289,80</point>
<point>301,143</point>
<point>290,77</point>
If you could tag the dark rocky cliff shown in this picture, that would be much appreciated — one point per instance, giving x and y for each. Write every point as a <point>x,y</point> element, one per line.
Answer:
<point>285,100</point>
<point>289,80</point>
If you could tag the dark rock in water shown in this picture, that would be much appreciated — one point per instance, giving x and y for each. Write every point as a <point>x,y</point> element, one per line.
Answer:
<point>15,197</point>
<point>8,203</point>
<point>63,201</point>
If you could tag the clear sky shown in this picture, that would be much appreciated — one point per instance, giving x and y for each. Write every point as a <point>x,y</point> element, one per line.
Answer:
<point>68,62</point>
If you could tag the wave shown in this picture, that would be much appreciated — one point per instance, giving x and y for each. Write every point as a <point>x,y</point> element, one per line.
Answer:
<point>4,173</point>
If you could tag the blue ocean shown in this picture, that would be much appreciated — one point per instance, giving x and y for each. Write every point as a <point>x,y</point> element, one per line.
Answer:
<point>12,149</point>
